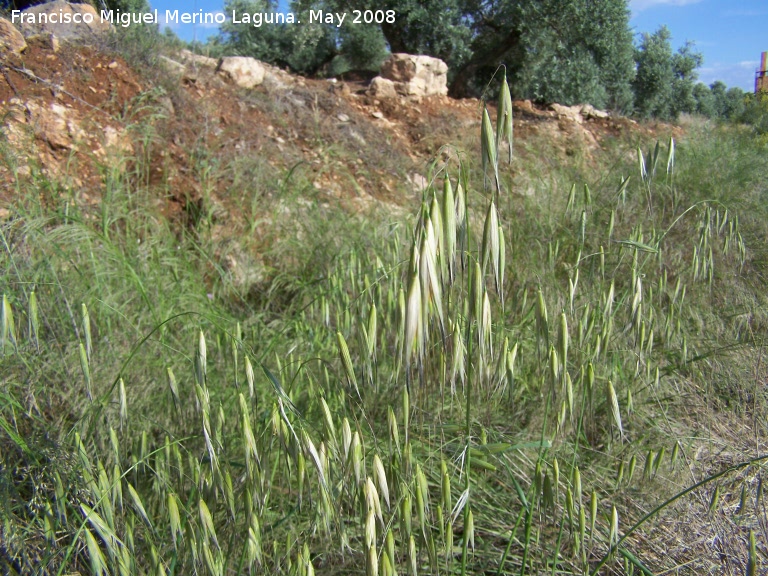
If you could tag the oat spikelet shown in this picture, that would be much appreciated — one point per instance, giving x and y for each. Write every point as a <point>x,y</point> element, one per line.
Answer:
<point>615,413</point>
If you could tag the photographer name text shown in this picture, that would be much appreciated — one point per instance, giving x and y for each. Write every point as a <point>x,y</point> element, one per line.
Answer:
<point>256,19</point>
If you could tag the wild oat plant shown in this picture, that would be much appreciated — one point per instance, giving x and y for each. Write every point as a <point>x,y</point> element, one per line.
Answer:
<point>485,390</point>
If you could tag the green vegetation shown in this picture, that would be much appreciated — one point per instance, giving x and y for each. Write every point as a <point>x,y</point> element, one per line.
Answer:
<point>567,52</point>
<point>504,384</point>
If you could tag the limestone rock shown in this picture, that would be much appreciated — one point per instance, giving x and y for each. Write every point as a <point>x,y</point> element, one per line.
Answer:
<point>589,111</point>
<point>45,41</point>
<point>65,30</point>
<point>188,58</point>
<point>244,71</point>
<point>572,113</point>
<point>173,67</point>
<point>11,40</point>
<point>55,124</point>
<point>382,88</point>
<point>416,75</point>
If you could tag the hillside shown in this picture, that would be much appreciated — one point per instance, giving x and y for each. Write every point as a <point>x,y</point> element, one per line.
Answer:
<point>301,329</point>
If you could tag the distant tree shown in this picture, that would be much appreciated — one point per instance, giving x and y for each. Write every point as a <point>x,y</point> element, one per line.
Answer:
<point>575,51</point>
<point>653,82</point>
<point>735,103</point>
<point>665,80</point>
<point>684,64</point>
<point>718,90</point>
<point>306,48</point>
<point>705,100</point>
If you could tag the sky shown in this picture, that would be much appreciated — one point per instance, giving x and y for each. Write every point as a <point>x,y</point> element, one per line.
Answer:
<point>731,34</point>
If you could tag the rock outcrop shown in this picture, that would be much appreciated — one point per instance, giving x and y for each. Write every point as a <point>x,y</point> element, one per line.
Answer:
<point>412,75</point>
<point>244,71</point>
<point>578,113</point>
<point>87,27</point>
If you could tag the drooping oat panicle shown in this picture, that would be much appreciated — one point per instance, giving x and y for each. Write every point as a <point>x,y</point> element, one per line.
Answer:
<point>412,557</point>
<point>206,521</point>
<point>504,124</point>
<point>389,545</point>
<point>502,265</point>
<point>485,330</point>
<point>346,362</point>
<point>445,489</point>
<point>346,437</point>
<point>394,433</point>
<point>356,453</point>
<point>470,528</point>
<point>414,322</point>
<point>478,289</point>
<point>461,212</point>
<point>457,357</point>
<point>449,230</point>
<point>315,457</point>
<point>86,371</point>
<point>34,320</point>
<point>637,300</point>
<point>249,376</point>
<point>488,147</point>
<point>373,505</point>
<point>103,529</point>
<point>98,561</point>
<point>381,478</point>
<point>249,441</point>
<point>562,343</point>
<point>371,560</point>
<point>542,324</point>
<point>174,387</point>
<point>372,329</point>
<point>490,247</point>
<point>85,320</point>
<point>571,198</point>
<point>436,218</point>
<point>201,359</point>
<point>577,486</point>
<point>8,329</point>
<point>641,164</point>
<point>175,519</point>
<point>406,510</point>
<point>614,535</point>
<point>572,284</point>
<point>123,402</point>
<point>431,290</point>
<point>613,401</point>
<point>654,158</point>
<point>138,505</point>
<point>671,158</point>
<point>752,565</point>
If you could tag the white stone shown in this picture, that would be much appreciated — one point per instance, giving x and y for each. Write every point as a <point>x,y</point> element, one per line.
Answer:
<point>382,88</point>
<point>416,75</point>
<point>244,71</point>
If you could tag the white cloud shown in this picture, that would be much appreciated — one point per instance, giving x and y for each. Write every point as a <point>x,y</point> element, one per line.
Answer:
<point>640,5</point>
<point>737,74</point>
